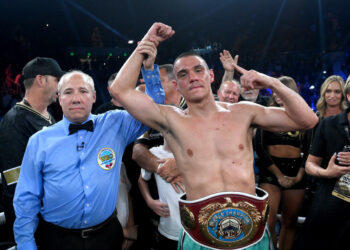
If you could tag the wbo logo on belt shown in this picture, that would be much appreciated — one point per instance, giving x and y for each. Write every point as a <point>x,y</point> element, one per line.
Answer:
<point>230,223</point>
<point>225,221</point>
<point>106,158</point>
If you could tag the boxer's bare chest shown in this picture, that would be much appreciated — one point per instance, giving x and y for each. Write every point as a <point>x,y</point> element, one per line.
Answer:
<point>220,135</point>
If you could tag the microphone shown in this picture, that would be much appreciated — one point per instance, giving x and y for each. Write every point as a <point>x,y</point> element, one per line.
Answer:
<point>80,147</point>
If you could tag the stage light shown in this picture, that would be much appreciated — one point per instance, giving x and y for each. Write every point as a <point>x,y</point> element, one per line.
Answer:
<point>89,54</point>
<point>72,53</point>
<point>110,54</point>
<point>324,72</point>
<point>130,41</point>
<point>125,54</point>
<point>312,87</point>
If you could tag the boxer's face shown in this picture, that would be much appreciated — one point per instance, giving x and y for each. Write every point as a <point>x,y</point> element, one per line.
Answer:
<point>193,78</point>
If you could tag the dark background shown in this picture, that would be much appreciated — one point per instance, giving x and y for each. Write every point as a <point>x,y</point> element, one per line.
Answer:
<point>308,40</point>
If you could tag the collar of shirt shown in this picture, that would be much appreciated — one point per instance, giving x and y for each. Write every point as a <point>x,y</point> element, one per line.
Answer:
<point>66,122</point>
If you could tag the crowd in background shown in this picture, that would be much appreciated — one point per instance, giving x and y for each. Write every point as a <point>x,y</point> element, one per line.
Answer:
<point>296,50</point>
<point>289,53</point>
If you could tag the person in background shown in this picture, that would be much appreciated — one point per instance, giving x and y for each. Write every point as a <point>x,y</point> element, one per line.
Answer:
<point>229,91</point>
<point>332,100</point>
<point>125,210</point>
<point>250,95</point>
<point>327,224</point>
<point>113,103</point>
<point>40,78</point>
<point>282,173</point>
<point>70,172</point>
<point>167,206</point>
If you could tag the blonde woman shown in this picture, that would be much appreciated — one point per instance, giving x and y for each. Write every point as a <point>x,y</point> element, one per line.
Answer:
<point>282,174</point>
<point>327,223</point>
<point>332,100</point>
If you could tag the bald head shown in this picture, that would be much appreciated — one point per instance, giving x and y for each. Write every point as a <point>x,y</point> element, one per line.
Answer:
<point>229,91</point>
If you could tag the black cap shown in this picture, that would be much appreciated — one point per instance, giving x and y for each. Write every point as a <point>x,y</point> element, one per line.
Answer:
<point>41,66</point>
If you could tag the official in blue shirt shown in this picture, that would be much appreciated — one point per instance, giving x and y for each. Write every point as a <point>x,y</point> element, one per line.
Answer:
<point>73,168</point>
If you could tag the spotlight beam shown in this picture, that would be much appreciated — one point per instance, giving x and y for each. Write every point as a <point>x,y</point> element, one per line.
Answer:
<point>320,20</point>
<point>71,23</point>
<point>107,26</point>
<point>269,39</point>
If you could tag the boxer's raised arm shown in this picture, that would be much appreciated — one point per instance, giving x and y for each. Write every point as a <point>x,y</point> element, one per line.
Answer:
<point>135,102</point>
<point>296,114</point>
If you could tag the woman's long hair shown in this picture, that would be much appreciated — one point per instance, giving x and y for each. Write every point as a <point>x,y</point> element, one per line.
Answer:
<point>290,83</point>
<point>321,103</point>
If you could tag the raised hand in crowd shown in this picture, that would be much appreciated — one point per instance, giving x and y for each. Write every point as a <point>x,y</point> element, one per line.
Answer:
<point>227,62</point>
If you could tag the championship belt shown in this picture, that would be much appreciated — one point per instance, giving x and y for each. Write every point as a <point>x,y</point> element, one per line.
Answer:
<point>227,220</point>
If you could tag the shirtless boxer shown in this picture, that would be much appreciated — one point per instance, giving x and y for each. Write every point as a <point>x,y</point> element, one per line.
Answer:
<point>212,144</point>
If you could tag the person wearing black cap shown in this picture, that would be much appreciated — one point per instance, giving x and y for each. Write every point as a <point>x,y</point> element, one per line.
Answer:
<point>40,77</point>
